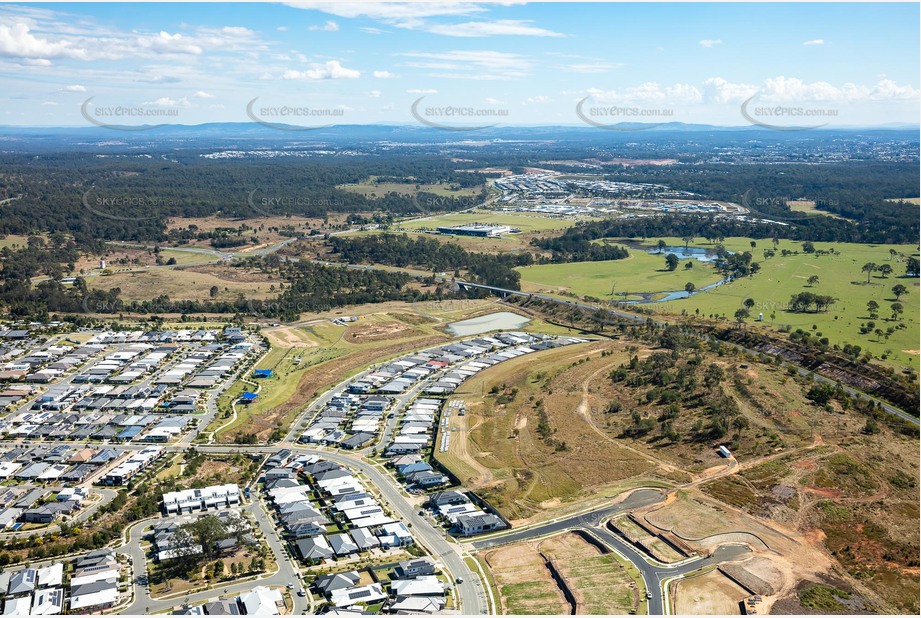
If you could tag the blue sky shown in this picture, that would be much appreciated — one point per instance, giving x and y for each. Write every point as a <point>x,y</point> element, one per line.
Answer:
<point>858,64</point>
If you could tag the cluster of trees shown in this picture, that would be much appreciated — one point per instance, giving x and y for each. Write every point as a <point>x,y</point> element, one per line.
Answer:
<point>858,191</point>
<point>403,250</point>
<point>199,540</point>
<point>39,257</point>
<point>678,381</point>
<point>815,229</point>
<point>573,248</point>
<point>314,287</point>
<point>130,197</point>
<point>801,302</point>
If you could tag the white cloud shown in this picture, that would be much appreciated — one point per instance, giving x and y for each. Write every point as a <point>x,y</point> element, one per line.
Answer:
<point>75,88</point>
<point>719,90</point>
<point>329,70</point>
<point>159,79</point>
<point>593,67</point>
<point>472,64</point>
<point>414,16</point>
<point>391,11</point>
<point>168,102</point>
<point>507,27</point>
<point>237,31</point>
<point>384,75</point>
<point>649,92</point>
<point>375,94</point>
<point>422,91</point>
<point>710,42</point>
<point>201,94</point>
<point>814,42</point>
<point>538,99</point>
<point>371,30</point>
<point>329,26</point>
<point>492,101</point>
<point>793,90</point>
<point>166,43</point>
<point>282,28</point>
<point>17,41</point>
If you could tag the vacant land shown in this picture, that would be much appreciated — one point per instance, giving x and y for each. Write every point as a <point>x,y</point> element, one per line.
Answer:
<point>263,224</point>
<point>190,283</point>
<point>531,444</point>
<point>505,244</point>
<point>808,207</point>
<point>599,582</point>
<point>840,276</point>
<point>13,241</point>
<point>330,353</point>
<point>374,188</point>
<point>269,413</point>
<point>642,275</point>
<point>524,582</point>
<point>523,222</point>
<point>709,594</point>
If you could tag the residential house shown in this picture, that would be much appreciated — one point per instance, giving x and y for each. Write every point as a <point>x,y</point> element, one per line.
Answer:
<point>478,523</point>
<point>414,568</point>
<point>261,601</point>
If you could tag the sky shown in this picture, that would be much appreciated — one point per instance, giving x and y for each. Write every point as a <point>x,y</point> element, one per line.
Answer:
<point>461,63</point>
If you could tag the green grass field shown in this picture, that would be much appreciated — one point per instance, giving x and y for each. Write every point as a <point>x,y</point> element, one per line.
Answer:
<point>839,276</point>
<point>373,189</point>
<point>275,390</point>
<point>13,240</point>
<point>525,223</point>
<point>641,273</point>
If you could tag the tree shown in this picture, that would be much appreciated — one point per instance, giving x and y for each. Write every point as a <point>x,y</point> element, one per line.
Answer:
<point>871,426</point>
<point>671,261</point>
<point>869,268</point>
<point>885,269</point>
<point>739,423</point>
<point>713,375</point>
<point>214,291</point>
<point>753,244</point>
<point>873,309</point>
<point>912,267</point>
<point>808,247</point>
<point>687,240</point>
<point>748,303</point>
<point>813,280</point>
<point>741,315</point>
<point>892,254</point>
<point>897,310</point>
<point>661,245</point>
<point>899,290</point>
<point>688,265</point>
<point>689,288</point>
<point>879,334</point>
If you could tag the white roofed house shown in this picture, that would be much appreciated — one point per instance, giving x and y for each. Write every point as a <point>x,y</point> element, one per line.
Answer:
<point>47,602</point>
<point>261,601</point>
<point>190,500</point>
<point>424,585</point>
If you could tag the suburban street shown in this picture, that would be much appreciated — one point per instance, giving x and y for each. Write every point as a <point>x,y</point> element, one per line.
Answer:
<point>593,522</point>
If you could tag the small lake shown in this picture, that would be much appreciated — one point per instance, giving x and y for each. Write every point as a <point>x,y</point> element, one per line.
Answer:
<point>502,320</point>
<point>701,254</point>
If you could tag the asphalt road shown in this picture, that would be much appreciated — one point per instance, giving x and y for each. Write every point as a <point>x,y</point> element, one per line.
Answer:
<point>471,593</point>
<point>637,499</point>
<point>593,523</point>
<point>287,572</point>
